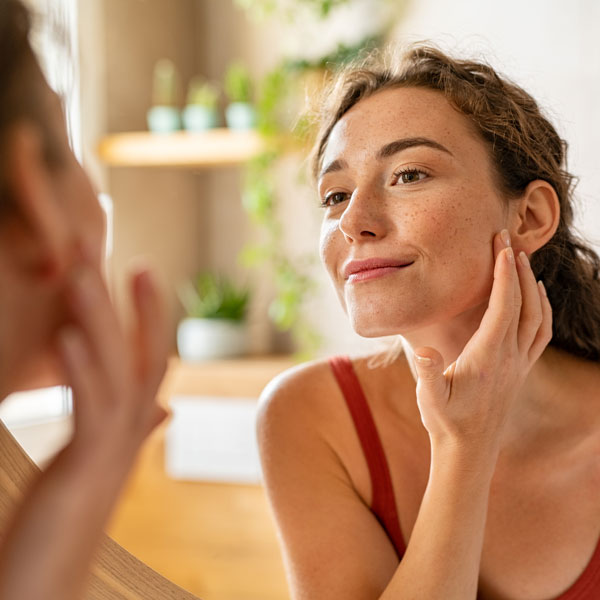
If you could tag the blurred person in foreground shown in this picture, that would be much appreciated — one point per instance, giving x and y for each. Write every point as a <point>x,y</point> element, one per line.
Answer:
<point>57,325</point>
<point>468,465</point>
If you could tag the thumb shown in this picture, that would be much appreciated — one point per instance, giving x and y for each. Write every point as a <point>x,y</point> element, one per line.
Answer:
<point>429,365</point>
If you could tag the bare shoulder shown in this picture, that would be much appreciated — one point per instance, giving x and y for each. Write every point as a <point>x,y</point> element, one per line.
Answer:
<point>295,397</point>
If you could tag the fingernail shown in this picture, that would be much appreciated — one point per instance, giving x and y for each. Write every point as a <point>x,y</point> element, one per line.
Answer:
<point>144,278</point>
<point>144,282</point>
<point>81,284</point>
<point>523,258</point>
<point>505,237</point>
<point>542,287</point>
<point>510,255</point>
<point>423,360</point>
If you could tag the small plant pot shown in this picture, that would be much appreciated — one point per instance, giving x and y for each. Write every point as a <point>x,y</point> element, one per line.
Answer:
<point>163,119</point>
<point>199,118</point>
<point>206,339</point>
<point>240,115</point>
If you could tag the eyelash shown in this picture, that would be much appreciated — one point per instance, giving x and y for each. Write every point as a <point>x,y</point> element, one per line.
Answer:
<point>398,174</point>
<point>326,202</point>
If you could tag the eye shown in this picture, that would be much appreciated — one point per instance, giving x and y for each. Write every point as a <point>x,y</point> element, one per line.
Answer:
<point>406,176</point>
<point>333,198</point>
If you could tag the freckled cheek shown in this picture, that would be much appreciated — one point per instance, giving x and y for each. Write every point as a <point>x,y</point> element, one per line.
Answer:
<point>455,243</point>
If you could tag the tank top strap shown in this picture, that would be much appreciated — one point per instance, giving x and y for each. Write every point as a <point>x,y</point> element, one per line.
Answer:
<point>587,585</point>
<point>383,503</point>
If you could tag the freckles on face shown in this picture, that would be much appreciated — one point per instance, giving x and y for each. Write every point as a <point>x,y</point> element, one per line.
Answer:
<point>443,215</point>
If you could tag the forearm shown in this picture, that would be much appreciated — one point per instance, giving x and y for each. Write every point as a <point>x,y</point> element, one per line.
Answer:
<point>444,552</point>
<point>51,541</point>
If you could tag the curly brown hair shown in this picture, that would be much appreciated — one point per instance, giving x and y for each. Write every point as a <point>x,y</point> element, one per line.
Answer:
<point>21,85</point>
<point>523,145</point>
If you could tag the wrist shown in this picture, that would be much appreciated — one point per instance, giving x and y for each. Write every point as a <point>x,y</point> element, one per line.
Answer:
<point>99,459</point>
<point>477,459</point>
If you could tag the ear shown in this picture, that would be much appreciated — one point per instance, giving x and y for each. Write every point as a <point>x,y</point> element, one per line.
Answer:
<point>536,218</point>
<point>39,231</point>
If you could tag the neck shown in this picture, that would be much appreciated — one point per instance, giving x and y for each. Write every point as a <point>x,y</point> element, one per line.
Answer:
<point>448,337</point>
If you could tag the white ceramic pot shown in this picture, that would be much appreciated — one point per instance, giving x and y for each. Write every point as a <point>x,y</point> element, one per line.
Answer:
<point>206,339</point>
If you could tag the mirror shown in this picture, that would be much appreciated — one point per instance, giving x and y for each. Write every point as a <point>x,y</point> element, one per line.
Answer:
<point>194,509</point>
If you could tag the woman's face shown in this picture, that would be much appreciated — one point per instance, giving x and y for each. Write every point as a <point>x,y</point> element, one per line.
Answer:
<point>68,208</point>
<point>411,208</point>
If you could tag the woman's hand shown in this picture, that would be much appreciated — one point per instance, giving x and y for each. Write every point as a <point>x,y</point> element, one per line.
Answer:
<point>468,403</point>
<point>114,375</point>
<point>58,526</point>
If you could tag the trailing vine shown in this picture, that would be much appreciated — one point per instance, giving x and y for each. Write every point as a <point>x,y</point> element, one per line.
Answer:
<point>262,8</point>
<point>280,133</point>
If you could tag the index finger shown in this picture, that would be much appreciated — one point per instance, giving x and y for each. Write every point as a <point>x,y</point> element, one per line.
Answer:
<point>504,305</point>
<point>92,307</point>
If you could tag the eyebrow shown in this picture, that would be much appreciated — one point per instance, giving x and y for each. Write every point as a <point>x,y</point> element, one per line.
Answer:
<point>389,150</point>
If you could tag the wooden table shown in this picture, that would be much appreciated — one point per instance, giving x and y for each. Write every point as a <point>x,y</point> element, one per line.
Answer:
<point>216,540</point>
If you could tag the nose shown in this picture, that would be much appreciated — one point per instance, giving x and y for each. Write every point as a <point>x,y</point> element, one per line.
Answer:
<point>363,218</point>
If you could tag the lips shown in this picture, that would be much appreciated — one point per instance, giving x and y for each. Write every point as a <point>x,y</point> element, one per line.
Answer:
<point>373,267</point>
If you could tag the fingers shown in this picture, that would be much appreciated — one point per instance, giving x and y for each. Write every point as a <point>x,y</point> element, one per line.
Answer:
<point>504,304</point>
<point>150,335</point>
<point>501,241</point>
<point>431,384</point>
<point>531,308</point>
<point>93,311</point>
<point>544,332</point>
<point>79,366</point>
<point>528,318</point>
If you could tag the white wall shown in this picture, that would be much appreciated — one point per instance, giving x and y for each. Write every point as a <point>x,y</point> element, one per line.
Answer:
<point>552,49</point>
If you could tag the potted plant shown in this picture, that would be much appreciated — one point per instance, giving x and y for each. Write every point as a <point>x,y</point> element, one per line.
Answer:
<point>215,325</point>
<point>240,113</point>
<point>164,116</point>
<point>200,112</point>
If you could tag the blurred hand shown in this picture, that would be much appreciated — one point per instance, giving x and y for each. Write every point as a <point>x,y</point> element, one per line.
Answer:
<point>114,375</point>
<point>468,402</point>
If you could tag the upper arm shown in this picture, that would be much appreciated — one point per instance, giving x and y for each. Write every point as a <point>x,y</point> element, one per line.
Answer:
<point>333,545</point>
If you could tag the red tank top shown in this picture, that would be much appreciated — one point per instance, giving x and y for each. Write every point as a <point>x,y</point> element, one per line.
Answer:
<point>383,503</point>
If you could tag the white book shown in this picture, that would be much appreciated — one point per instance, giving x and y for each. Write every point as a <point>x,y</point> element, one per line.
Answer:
<point>212,438</point>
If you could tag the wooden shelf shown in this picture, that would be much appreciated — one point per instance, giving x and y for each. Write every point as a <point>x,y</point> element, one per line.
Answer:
<point>212,148</point>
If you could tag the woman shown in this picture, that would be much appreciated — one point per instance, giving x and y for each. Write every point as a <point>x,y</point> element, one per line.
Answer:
<point>467,466</point>
<point>57,326</point>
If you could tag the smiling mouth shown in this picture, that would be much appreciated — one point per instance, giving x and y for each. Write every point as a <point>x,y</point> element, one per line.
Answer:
<point>375,273</point>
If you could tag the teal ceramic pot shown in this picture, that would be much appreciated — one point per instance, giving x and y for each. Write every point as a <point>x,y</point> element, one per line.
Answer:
<point>163,119</point>
<point>240,115</point>
<point>199,118</point>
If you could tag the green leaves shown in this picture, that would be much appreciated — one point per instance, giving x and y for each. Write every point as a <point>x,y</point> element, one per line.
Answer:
<point>264,8</point>
<point>164,83</point>
<point>214,297</point>
<point>238,85</point>
<point>202,93</point>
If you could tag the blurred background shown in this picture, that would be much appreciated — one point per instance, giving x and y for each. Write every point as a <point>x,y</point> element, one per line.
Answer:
<point>190,117</point>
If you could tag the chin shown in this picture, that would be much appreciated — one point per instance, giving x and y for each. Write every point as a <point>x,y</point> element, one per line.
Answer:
<point>376,316</point>
<point>376,324</point>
